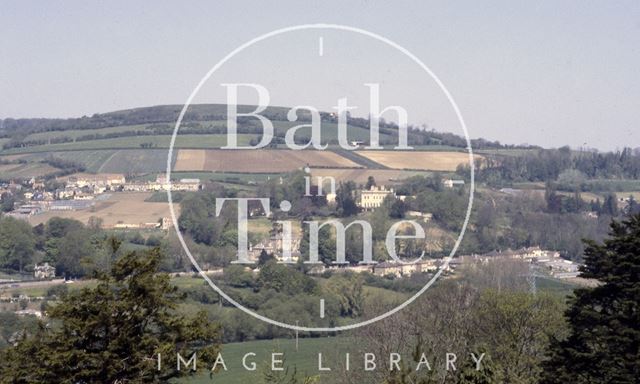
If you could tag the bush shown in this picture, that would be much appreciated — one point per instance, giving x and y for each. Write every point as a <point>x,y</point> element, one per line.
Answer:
<point>284,279</point>
<point>153,241</point>
<point>57,291</point>
<point>236,276</point>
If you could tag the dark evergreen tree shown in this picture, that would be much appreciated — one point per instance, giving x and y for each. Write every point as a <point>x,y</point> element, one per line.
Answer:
<point>113,333</point>
<point>610,205</point>
<point>265,257</point>
<point>603,345</point>
<point>345,199</point>
<point>633,208</point>
<point>371,182</point>
<point>485,375</point>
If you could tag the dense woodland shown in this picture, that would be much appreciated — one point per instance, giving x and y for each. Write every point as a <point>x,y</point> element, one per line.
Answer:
<point>569,168</point>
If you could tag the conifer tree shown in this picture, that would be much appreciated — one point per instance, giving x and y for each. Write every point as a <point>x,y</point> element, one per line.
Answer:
<point>113,332</point>
<point>603,345</point>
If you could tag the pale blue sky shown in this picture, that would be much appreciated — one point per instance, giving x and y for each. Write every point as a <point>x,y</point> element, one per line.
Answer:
<point>548,73</point>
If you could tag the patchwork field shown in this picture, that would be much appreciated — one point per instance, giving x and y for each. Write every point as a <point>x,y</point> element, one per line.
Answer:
<point>419,160</point>
<point>264,161</point>
<point>127,161</point>
<point>359,176</point>
<point>128,208</point>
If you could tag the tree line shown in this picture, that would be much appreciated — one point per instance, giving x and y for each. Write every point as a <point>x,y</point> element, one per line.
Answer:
<point>548,164</point>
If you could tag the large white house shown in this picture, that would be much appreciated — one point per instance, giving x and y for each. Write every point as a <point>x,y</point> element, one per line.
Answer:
<point>373,197</point>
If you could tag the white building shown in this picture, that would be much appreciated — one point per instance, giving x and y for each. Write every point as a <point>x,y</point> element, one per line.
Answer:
<point>449,183</point>
<point>98,180</point>
<point>404,269</point>
<point>44,271</point>
<point>373,197</point>
<point>160,184</point>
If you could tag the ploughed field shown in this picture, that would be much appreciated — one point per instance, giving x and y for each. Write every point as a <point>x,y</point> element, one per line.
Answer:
<point>446,161</point>
<point>258,161</point>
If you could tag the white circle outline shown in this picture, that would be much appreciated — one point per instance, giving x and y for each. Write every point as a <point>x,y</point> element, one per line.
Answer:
<point>342,28</point>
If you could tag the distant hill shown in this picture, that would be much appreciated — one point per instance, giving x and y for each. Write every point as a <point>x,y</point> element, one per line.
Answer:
<point>16,132</point>
<point>135,116</point>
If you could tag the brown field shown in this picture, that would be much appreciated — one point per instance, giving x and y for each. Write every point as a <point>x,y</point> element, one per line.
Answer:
<point>190,160</point>
<point>252,161</point>
<point>421,160</point>
<point>128,208</point>
<point>359,176</point>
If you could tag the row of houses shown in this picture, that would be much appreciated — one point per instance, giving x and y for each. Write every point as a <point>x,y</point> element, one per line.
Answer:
<point>164,224</point>
<point>25,211</point>
<point>550,260</point>
<point>89,187</point>
<point>102,182</point>
<point>161,184</point>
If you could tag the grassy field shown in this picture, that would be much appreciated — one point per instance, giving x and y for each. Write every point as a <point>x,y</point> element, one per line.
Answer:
<point>75,133</point>
<point>26,170</point>
<point>503,152</point>
<point>329,131</point>
<point>92,160</point>
<point>155,141</point>
<point>133,161</point>
<point>41,290</point>
<point>124,161</point>
<point>618,185</point>
<point>304,359</point>
<point>10,275</point>
<point>555,286</point>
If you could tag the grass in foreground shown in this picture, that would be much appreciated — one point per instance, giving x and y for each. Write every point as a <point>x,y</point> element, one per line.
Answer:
<point>305,359</point>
